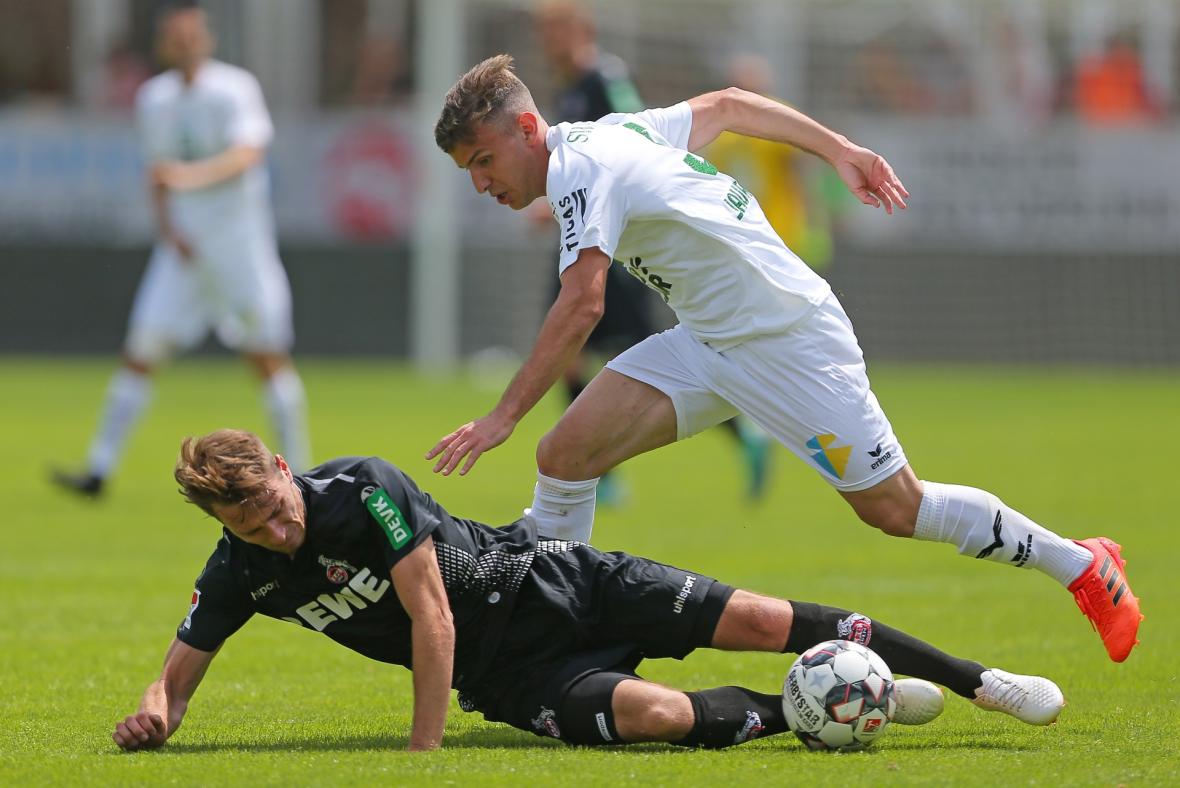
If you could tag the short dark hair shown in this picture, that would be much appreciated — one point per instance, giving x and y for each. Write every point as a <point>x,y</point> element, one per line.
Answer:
<point>485,94</point>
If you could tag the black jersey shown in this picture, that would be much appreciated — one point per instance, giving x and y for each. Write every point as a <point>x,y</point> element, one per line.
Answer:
<point>601,90</point>
<point>363,516</point>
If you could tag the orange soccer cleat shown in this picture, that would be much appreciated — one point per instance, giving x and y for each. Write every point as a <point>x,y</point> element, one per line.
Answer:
<point>1104,596</point>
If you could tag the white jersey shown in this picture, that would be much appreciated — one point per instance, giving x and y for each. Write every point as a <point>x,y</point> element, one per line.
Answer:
<point>626,185</point>
<point>222,108</point>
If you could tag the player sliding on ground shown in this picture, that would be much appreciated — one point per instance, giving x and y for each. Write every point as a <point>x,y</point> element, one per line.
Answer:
<point>760,333</point>
<point>542,634</point>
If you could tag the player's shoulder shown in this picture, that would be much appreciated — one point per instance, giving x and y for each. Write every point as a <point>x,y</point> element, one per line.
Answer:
<point>339,475</point>
<point>227,76</point>
<point>225,563</point>
<point>162,87</point>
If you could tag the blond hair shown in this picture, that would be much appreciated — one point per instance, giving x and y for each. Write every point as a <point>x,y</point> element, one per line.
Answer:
<point>488,93</point>
<point>223,468</point>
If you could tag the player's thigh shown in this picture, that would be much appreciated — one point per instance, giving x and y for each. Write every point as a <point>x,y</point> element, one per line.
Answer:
<point>613,419</point>
<point>676,364</point>
<point>170,310</point>
<point>664,610</point>
<point>809,388</point>
<point>255,298</point>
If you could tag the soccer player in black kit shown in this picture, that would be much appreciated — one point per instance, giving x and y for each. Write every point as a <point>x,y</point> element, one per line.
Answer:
<point>543,635</point>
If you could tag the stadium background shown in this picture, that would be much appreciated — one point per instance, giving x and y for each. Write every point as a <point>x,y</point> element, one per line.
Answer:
<point>1041,228</point>
<point>1022,322</point>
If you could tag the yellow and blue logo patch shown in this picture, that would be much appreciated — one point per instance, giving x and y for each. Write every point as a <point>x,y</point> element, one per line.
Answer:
<point>833,459</point>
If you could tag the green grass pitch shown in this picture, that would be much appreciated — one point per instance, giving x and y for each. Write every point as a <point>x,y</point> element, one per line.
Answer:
<point>91,593</point>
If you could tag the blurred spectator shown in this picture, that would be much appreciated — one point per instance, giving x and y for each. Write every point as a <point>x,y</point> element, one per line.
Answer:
<point>1110,87</point>
<point>381,76</point>
<point>915,69</point>
<point>124,70</point>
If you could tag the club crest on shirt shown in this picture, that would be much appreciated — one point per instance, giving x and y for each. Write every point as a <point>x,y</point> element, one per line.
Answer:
<point>337,570</point>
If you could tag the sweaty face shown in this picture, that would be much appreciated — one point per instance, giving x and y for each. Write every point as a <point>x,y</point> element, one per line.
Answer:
<point>503,162</point>
<point>275,518</point>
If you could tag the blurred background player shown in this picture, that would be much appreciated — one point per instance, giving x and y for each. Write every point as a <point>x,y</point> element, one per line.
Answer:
<point>591,84</point>
<point>205,129</point>
<point>788,185</point>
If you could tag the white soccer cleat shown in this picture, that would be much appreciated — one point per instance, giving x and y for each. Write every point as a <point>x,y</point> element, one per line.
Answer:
<point>1030,699</point>
<point>918,701</point>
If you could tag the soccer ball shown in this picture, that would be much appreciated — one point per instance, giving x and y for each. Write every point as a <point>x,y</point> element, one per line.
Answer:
<point>838,696</point>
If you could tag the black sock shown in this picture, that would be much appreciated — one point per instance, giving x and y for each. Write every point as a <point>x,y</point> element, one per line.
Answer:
<point>903,653</point>
<point>726,716</point>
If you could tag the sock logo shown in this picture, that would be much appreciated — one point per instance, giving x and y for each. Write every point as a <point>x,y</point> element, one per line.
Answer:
<point>833,459</point>
<point>1023,552</point>
<point>546,722</point>
<point>857,628</point>
<point>997,544</point>
<point>751,729</point>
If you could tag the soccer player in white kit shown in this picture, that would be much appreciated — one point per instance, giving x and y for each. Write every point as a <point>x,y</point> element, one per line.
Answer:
<point>760,333</point>
<point>215,265</point>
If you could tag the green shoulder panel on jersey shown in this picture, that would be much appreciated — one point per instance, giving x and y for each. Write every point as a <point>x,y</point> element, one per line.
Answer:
<point>385,512</point>
<point>637,128</point>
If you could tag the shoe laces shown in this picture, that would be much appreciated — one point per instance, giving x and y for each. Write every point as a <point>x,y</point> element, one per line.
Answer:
<point>1005,692</point>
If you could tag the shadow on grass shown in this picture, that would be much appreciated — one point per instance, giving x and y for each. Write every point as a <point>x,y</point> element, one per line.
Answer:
<point>509,740</point>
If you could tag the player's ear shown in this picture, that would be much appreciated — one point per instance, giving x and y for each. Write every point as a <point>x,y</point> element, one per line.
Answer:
<point>282,465</point>
<point>528,124</point>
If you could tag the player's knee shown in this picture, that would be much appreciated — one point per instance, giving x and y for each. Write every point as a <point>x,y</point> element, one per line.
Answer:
<point>665,718</point>
<point>889,516</point>
<point>558,458</point>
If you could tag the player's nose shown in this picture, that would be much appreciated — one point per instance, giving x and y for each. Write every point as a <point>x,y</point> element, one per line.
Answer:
<point>481,182</point>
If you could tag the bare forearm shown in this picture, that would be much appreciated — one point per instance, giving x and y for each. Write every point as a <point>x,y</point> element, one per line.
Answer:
<point>159,195</point>
<point>562,335</point>
<point>224,166</point>
<point>157,699</point>
<point>753,115</point>
<point>434,654</point>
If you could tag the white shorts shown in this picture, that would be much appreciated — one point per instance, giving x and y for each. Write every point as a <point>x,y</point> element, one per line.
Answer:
<point>234,285</point>
<point>806,387</point>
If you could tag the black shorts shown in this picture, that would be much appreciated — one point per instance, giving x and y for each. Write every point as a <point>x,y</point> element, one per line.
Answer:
<point>583,612</point>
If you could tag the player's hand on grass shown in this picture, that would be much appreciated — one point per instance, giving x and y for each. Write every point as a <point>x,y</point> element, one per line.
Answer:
<point>870,178</point>
<point>141,731</point>
<point>470,441</point>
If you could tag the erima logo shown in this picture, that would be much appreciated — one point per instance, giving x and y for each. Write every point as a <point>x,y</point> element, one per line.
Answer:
<point>259,593</point>
<point>880,459</point>
<point>833,459</point>
<point>1023,552</point>
<point>995,545</point>
<point>685,593</point>
<point>362,590</point>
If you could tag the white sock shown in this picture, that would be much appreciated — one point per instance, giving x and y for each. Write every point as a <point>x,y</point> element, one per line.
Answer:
<point>563,510</point>
<point>981,526</point>
<point>287,405</point>
<point>127,396</point>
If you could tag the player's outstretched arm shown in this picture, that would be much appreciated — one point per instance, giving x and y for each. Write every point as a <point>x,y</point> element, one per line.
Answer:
<point>866,174</point>
<point>419,586</point>
<point>165,700</point>
<point>572,317</point>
